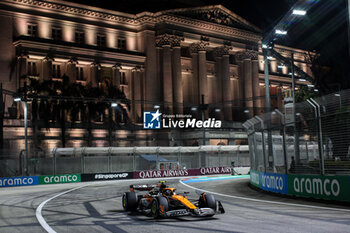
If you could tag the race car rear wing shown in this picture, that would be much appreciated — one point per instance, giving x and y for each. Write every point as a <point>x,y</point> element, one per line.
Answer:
<point>142,187</point>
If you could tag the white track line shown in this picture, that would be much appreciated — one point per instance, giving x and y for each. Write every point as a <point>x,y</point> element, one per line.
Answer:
<point>264,201</point>
<point>39,216</point>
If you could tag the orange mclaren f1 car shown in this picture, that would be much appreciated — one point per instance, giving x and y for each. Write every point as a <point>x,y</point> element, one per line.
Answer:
<point>161,201</point>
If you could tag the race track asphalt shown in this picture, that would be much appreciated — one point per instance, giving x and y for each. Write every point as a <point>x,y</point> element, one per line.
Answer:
<point>97,208</point>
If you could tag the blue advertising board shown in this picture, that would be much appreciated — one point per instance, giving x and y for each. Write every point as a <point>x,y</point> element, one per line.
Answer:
<point>272,182</point>
<point>19,181</point>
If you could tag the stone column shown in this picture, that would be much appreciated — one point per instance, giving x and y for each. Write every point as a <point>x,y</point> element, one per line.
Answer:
<point>132,91</point>
<point>71,71</point>
<point>116,75</point>
<point>218,76</point>
<point>195,91</point>
<point>137,94</point>
<point>223,72</point>
<point>93,74</point>
<point>249,76</point>
<point>248,83</point>
<point>167,79</point>
<point>157,87</point>
<point>165,41</point>
<point>202,75</point>
<point>226,90</point>
<point>256,86</point>
<point>46,69</point>
<point>22,66</point>
<point>200,49</point>
<point>177,77</point>
<point>273,66</point>
<point>151,76</point>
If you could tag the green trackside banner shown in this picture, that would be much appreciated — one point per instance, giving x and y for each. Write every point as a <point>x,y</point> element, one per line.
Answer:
<point>57,179</point>
<point>324,187</point>
<point>255,178</point>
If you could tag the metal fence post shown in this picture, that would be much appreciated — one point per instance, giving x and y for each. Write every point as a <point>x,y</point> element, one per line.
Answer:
<point>263,140</point>
<point>179,160</point>
<point>54,161</point>
<point>250,124</point>
<point>82,162</point>
<point>199,157</point>
<point>316,107</point>
<point>283,139</point>
<point>109,160</point>
<point>134,159</point>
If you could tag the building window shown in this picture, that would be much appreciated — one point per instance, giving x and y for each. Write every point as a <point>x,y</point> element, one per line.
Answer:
<point>80,74</point>
<point>32,69</point>
<point>121,43</point>
<point>80,37</point>
<point>32,30</point>
<point>101,40</point>
<point>56,33</point>
<point>123,79</point>
<point>56,71</point>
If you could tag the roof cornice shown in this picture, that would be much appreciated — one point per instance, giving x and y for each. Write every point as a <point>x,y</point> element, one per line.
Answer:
<point>144,18</point>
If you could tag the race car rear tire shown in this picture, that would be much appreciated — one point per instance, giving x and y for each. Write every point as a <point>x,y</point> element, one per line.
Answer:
<point>130,201</point>
<point>207,200</point>
<point>159,207</point>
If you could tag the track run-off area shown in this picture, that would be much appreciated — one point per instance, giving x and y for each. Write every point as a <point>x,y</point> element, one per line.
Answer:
<point>96,207</point>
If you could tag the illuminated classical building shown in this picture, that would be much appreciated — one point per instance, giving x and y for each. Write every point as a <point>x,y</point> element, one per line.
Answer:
<point>170,58</point>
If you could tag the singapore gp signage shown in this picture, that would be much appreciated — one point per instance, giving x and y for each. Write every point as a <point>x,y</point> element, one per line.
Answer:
<point>325,187</point>
<point>272,182</point>
<point>106,176</point>
<point>18,181</point>
<point>157,120</point>
<point>57,179</point>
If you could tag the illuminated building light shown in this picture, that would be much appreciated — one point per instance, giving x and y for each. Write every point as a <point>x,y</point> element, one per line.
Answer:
<point>299,12</point>
<point>280,32</point>
<point>36,57</point>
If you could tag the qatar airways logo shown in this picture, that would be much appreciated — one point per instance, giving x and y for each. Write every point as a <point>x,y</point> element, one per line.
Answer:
<point>153,120</point>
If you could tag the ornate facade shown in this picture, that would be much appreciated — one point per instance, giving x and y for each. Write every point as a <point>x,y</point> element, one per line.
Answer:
<point>170,58</point>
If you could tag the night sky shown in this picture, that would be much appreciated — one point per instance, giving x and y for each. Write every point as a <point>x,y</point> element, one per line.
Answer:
<point>323,30</point>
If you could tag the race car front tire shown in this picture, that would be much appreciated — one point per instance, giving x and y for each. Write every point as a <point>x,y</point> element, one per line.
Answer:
<point>159,207</point>
<point>129,201</point>
<point>207,200</point>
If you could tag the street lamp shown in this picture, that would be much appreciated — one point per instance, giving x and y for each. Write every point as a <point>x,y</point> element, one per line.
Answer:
<point>299,12</point>
<point>17,99</point>
<point>114,105</point>
<point>280,32</point>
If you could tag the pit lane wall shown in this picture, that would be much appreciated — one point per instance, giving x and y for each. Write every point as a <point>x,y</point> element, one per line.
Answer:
<point>73,178</point>
<point>328,187</point>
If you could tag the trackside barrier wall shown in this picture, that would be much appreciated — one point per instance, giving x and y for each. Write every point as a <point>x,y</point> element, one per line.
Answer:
<point>74,178</point>
<point>328,187</point>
